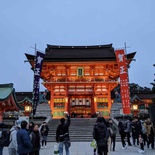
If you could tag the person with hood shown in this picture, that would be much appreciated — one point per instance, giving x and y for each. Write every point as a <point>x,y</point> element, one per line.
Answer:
<point>23,140</point>
<point>12,148</point>
<point>62,135</point>
<point>101,136</point>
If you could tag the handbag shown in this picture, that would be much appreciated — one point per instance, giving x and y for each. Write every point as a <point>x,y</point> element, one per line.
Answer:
<point>5,140</point>
<point>56,150</point>
<point>93,144</point>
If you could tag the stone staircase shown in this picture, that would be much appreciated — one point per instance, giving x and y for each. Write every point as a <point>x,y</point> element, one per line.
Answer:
<point>80,130</point>
<point>43,110</point>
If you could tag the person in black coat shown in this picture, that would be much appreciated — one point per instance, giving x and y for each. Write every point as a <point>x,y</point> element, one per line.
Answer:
<point>44,133</point>
<point>35,140</point>
<point>3,134</point>
<point>134,131</point>
<point>62,134</point>
<point>122,133</point>
<point>101,136</point>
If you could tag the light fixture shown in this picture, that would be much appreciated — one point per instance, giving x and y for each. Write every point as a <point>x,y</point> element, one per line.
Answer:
<point>94,99</point>
<point>28,108</point>
<point>66,99</point>
<point>135,107</point>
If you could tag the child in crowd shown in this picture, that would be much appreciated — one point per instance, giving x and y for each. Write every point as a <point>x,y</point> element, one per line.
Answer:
<point>141,144</point>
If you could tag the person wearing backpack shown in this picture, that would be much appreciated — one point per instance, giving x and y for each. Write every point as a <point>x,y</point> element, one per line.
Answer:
<point>12,148</point>
<point>144,132</point>
<point>3,134</point>
<point>134,131</point>
<point>101,136</point>
<point>128,130</point>
<point>113,135</point>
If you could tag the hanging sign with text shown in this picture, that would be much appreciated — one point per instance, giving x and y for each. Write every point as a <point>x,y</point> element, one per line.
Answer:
<point>36,84</point>
<point>123,81</point>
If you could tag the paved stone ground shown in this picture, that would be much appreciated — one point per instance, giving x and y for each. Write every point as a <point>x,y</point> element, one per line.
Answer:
<point>84,148</point>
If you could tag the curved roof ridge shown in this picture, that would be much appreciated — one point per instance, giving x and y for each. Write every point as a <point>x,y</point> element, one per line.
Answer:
<point>8,85</point>
<point>80,46</point>
<point>24,99</point>
<point>5,91</point>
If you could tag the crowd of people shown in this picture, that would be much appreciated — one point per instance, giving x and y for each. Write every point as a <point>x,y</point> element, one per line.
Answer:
<point>104,133</point>
<point>28,139</point>
<point>141,132</point>
<point>25,140</point>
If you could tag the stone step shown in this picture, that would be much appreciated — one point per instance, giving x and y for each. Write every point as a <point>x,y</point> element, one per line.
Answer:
<point>43,110</point>
<point>81,129</point>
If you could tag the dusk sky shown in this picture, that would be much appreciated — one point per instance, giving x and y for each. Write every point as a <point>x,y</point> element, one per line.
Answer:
<point>75,22</point>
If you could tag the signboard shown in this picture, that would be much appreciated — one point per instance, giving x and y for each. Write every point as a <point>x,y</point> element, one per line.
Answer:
<point>37,72</point>
<point>123,81</point>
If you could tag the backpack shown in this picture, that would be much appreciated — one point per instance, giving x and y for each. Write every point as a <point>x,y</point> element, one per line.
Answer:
<point>111,133</point>
<point>0,134</point>
<point>143,129</point>
<point>126,125</point>
<point>5,140</point>
<point>121,127</point>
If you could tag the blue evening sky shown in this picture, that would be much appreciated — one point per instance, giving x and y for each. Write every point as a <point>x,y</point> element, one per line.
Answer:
<point>75,22</point>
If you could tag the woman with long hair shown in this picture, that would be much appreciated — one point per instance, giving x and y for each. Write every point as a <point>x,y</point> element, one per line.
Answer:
<point>35,140</point>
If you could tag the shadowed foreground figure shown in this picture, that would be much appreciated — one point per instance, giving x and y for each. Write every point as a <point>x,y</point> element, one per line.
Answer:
<point>62,135</point>
<point>101,136</point>
<point>23,140</point>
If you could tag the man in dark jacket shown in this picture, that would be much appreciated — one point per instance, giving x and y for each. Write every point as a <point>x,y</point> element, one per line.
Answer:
<point>62,135</point>
<point>23,140</point>
<point>101,136</point>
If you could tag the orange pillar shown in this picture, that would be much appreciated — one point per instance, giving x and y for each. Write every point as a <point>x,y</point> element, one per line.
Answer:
<point>52,102</point>
<point>109,102</point>
<point>66,103</point>
<point>95,104</point>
